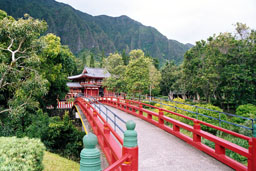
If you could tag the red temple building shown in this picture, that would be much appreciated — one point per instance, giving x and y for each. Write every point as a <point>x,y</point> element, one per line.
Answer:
<point>88,83</point>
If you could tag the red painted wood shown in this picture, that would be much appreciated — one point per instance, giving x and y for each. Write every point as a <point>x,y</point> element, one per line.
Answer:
<point>220,144</point>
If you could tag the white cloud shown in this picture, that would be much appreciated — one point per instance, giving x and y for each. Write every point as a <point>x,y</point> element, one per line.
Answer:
<point>182,20</point>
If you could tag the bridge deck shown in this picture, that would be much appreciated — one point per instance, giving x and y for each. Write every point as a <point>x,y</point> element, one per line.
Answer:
<point>161,151</point>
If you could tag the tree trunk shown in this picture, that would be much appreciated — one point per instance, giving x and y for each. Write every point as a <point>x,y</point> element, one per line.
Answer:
<point>150,89</point>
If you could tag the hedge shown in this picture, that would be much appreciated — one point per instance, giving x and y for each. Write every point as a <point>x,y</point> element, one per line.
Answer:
<point>21,154</point>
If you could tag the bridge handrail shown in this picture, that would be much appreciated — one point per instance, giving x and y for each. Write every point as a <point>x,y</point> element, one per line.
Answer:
<point>118,163</point>
<point>220,144</point>
<point>109,142</point>
<point>106,115</point>
<point>201,122</point>
<point>218,119</point>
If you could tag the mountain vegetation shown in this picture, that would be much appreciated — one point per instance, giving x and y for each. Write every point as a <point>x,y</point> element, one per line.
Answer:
<point>82,31</point>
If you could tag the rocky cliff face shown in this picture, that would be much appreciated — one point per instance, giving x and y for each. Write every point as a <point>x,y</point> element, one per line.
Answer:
<point>82,31</point>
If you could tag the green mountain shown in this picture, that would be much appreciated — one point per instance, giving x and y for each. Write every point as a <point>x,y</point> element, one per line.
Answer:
<point>82,31</point>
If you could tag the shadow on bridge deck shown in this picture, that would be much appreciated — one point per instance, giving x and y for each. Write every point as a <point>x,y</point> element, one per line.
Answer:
<point>161,151</point>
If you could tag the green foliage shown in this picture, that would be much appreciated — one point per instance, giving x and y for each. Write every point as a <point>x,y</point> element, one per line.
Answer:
<point>125,57</point>
<point>92,63</point>
<point>59,136</point>
<point>171,74</point>
<point>57,63</point>
<point>210,114</point>
<point>21,84</point>
<point>3,14</point>
<point>21,154</point>
<point>115,66</point>
<point>221,69</point>
<point>137,75</point>
<point>229,153</point>
<point>248,111</point>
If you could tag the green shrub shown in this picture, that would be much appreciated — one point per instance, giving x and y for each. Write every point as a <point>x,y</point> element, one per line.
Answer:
<point>248,111</point>
<point>212,114</point>
<point>21,154</point>
<point>59,136</point>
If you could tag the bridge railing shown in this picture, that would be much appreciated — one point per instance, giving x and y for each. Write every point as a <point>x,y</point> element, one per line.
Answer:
<point>219,152</point>
<point>197,114</point>
<point>118,154</point>
<point>62,105</point>
<point>109,115</point>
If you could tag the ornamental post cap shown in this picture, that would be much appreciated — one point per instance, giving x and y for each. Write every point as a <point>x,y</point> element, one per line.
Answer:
<point>254,131</point>
<point>130,135</point>
<point>90,141</point>
<point>130,125</point>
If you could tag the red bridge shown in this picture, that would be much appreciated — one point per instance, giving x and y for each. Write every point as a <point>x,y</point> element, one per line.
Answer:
<point>160,145</point>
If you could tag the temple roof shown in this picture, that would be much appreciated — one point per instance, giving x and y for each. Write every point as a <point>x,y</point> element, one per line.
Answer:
<point>74,84</point>
<point>92,72</point>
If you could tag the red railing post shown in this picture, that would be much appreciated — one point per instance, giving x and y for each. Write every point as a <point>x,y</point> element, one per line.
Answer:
<point>140,110</point>
<point>149,116</point>
<point>94,115</point>
<point>197,127</point>
<point>117,104</point>
<point>252,151</point>
<point>130,147</point>
<point>176,128</point>
<point>161,114</point>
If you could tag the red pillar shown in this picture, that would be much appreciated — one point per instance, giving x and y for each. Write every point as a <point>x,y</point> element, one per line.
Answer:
<point>252,151</point>
<point>197,127</point>
<point>133,161</point>
<point>161,114</point>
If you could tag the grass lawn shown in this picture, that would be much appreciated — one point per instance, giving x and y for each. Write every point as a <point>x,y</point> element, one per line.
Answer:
<point>54,162</point>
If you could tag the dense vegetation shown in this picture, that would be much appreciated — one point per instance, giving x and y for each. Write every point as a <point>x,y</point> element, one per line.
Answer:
<point>82,31</point>
<point>138,76</point>
<point>33,75</point>
<point>221,70</point>
<point>21,154</point>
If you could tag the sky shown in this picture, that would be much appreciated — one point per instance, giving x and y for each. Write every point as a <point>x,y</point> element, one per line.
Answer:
<point>186,21</point>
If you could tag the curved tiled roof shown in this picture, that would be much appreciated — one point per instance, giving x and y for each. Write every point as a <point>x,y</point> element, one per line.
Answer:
<point>74,84</point>
<point>92,72</point>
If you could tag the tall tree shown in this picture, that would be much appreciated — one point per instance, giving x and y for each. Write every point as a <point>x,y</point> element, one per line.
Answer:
<point>169,77</point>
<point>154,78</point>
<point>125,57</point>
<point>140,75</point>
<point>115,66</point>
<point>20,81</point>
<point>57,63</point>
<point>92,62</point>
<point>102,58</point>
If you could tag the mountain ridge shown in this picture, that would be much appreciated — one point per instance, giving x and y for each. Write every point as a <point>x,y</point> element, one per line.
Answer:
<point>81,31</point>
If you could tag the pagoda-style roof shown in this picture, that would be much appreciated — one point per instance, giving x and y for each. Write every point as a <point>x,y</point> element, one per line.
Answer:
<point>92,72</point>
<point>74,85</point>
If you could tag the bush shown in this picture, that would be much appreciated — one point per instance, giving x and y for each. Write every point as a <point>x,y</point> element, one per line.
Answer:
<point>212,114</point>
<point>59,136</point>
<point>21,154</point>
<point>182,108</point>
<point>248,111</point>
